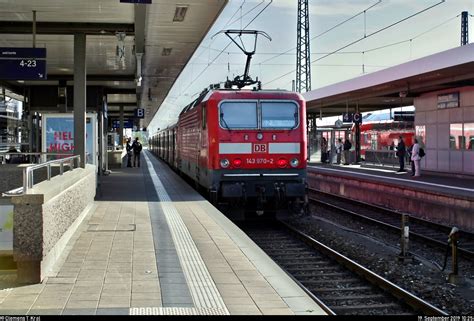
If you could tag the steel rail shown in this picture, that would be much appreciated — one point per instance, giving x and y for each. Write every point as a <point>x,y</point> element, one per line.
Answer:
<point>410,299</point>
<point>384,211</point>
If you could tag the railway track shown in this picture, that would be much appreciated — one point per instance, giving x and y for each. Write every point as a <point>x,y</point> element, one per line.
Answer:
<point>428,232</point>
<point>344,286</point>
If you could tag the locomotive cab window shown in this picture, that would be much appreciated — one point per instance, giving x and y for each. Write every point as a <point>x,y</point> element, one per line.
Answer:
<point>238,114</point>
<point>204,116</point>
<point>279,115</point>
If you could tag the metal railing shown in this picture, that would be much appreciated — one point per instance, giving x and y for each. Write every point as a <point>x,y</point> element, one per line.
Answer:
<point>383,157</point>
<point>28,179</point>
<point>32,157</point>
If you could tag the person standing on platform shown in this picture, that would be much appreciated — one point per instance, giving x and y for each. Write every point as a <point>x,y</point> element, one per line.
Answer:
<point>347,151</point>
<point>137,149</point>
<point>415,157</point>
<point>324,150</point>
<point>401,152</point>
<point>339,150</point>
<point>129,152</point>
<point>412,163</point>
<point>392,148</point>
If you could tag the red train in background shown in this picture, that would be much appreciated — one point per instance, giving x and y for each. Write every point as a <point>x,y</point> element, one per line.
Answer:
<point>379,131</point>
<point>244,147</point>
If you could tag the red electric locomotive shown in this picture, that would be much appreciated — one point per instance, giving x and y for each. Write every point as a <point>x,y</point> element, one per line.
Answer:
<point>244,147</point>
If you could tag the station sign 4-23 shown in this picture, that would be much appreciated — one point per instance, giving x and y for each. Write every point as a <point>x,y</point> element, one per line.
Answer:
<point>22,63</point>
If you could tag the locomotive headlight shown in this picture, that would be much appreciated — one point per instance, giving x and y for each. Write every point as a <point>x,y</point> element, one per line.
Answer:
<point>294,162</point>
<point>225,163</point>
<point>282,162</point>
<point>259,136</point>
<point>237,162</point>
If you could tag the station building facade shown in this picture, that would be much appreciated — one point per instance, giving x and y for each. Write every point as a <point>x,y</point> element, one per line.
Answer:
<point>444,121</point>
<point>440,86</point>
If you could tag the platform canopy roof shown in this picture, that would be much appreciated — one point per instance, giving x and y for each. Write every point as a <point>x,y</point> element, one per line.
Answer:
<point>395,86</point>
<point>167,32</point>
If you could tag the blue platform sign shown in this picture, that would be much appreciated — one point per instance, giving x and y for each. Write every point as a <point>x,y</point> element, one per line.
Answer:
<point>139,113</point>
<point>23,63</point>
<point>347,117</point>
<point>136,1</point>
<point>126,124</point>
<point>357,118</point>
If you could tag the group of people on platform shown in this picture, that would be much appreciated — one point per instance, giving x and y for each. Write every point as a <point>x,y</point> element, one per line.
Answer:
<point>415,153</point>
<point>341,149</point>
<point>133,151</point>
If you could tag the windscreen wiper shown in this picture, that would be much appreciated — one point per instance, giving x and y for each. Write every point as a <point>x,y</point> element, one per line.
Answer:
<point>224,122</point>
<point>296,120</point>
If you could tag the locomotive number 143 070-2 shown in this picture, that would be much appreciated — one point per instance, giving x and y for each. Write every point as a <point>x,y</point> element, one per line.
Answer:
<point>264,161</point>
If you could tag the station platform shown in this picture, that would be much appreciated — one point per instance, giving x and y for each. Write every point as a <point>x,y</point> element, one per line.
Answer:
<point>151,245</point>
<point>440,183</point>
<point>445,198</point>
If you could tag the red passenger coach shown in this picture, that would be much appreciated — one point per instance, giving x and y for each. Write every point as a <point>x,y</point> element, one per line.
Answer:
<point>243,146</point>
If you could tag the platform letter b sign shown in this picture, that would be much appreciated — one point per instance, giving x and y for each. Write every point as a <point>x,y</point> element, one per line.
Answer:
<point>139,113</point>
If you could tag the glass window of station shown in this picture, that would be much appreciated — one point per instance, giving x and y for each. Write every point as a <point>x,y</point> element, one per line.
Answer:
<point>469,134</point>
<point>461,136</point>
<point>420,133</point>
<point>13,130</point>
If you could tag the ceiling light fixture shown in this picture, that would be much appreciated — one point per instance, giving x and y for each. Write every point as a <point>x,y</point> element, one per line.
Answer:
<point>120,49</point>
<point>180,13</point>
<point>139,69</point>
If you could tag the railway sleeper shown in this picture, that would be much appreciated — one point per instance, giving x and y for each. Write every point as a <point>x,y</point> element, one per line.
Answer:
<point>314,268</point>
<point>288,252</point>
<point>286,257</point>
<point>299,249</point>
<point>353,289</point>
<point>360,307</point>
<point>317,264</point>
<point>327,299</point>
<point>318,273</point>
<point>345,281</point>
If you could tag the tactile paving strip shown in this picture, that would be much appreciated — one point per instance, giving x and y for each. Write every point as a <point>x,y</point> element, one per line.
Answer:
<point>203,289</point>
<point>177,311</point>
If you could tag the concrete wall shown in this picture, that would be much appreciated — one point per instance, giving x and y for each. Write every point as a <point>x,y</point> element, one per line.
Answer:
<point>439,156</point>
<point>11,176</point>
<point>451,210</point>
<point>45,219</point>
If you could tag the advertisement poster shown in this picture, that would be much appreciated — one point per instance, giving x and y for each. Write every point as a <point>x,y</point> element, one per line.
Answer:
<point>6,227</point>
<point>58,135</point>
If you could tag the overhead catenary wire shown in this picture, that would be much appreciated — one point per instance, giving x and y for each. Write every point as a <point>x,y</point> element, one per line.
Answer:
<point>288,53</point>
<point>362,38</point>
<point>223,50</point>
<point>225,25</point>
<point>328,30</point>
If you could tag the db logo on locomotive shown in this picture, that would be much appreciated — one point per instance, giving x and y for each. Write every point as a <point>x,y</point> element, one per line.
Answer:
<point>260,148</point>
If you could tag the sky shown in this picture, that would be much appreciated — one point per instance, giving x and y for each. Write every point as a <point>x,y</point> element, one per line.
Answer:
<point>434,30</point>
